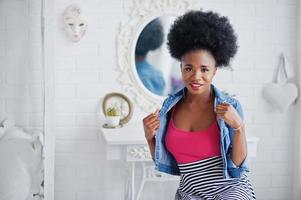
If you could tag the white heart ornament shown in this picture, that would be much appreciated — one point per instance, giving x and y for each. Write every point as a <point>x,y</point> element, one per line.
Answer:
<point>281,95</point>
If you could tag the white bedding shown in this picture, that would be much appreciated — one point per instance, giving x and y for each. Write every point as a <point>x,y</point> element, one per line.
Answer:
<point>21,164</point>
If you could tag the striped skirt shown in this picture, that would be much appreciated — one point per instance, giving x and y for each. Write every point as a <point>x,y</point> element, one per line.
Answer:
<point>203,180</point>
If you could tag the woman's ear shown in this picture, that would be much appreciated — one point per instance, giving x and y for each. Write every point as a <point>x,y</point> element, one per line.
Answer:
<point>181,67</point>
<point>214,70</point>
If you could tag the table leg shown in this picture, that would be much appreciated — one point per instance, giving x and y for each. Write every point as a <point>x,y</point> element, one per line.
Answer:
<point>142,182</point>
<point>130,181</point>
<point>133,181</point>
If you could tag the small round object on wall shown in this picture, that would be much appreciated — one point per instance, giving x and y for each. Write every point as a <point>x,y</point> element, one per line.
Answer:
<point>117,105</point>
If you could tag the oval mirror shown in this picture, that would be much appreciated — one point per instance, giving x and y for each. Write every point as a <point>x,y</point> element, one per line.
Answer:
<point>148,86</point>
<point>157,71</point>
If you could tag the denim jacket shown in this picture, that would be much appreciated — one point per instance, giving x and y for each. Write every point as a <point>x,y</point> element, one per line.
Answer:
<point>164,160</point>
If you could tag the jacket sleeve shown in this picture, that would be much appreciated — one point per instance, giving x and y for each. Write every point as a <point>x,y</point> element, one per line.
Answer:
<point>234,170</point>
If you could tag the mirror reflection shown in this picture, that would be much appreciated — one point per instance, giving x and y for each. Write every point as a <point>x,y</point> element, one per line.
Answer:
<point>157,70</point>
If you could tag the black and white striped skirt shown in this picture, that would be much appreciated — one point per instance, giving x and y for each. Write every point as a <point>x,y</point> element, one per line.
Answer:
<point>203,180</point>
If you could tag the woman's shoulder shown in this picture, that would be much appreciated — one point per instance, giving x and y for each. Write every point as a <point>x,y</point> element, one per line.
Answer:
<point>165,105</point>
<point>226,97</point>
<point>171,99</point>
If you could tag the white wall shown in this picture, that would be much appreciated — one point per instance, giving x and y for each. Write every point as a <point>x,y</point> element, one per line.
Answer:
<point>21,72</point>
<point>297,141</point>
<point>86,71</point>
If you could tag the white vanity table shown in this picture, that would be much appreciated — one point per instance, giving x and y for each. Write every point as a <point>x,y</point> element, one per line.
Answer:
<point>129,145</point>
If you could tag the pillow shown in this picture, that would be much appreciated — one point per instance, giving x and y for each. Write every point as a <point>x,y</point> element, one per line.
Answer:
<point>21,166</point>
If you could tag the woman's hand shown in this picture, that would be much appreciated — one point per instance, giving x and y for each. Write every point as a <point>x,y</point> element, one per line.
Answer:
<point>228,113</point>
<point>151,125</point>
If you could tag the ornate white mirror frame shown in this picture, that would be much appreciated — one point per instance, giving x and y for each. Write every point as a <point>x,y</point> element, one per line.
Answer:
<point>141,14</point>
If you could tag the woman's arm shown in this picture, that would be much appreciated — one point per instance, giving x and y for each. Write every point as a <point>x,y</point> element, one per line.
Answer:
<point>152,146</point>
<point>239,147</point>
<point>234,117</point>
<point>150,125</point>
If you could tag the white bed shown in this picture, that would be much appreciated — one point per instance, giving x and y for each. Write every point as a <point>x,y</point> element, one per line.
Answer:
<point>21,163</point>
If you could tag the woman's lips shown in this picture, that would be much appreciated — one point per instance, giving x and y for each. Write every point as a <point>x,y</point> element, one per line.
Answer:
<point>195,86</point>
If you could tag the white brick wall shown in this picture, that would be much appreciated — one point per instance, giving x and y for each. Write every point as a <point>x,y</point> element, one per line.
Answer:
<point>85,72</point>
<point>21,89</point>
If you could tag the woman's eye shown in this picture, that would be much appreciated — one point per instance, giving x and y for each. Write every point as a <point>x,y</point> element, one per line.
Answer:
<point>81,24</point>
<point>204,70</point>
<point>187,69</point>
<point>70,24</point>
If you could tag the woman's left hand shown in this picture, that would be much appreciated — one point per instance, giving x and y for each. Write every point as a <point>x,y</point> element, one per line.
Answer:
<point>228,113</point>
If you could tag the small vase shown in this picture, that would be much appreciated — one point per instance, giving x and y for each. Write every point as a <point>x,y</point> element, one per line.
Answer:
<point>113,121</point>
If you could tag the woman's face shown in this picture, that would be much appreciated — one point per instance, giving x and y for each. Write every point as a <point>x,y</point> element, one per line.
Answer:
<point>198,69</point>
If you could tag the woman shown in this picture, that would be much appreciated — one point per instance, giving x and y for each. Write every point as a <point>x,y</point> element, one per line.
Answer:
<point>198,133</point>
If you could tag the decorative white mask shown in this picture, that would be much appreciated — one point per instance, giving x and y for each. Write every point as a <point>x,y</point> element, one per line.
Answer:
<point>75,24</point>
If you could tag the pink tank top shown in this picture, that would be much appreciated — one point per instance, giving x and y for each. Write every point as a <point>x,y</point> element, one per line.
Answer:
<point>190,146</point>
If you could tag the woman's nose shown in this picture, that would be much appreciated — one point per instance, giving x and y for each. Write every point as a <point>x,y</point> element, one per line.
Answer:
<point>197,74</point>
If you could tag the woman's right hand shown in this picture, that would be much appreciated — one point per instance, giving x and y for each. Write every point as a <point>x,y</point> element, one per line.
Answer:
<point>151,125</point>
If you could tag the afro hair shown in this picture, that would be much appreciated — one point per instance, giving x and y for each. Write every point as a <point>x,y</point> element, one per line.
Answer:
<point>198,30</point>
<point>150,38</point>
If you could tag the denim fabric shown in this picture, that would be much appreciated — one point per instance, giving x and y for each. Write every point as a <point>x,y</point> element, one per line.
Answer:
<point>165,162</point>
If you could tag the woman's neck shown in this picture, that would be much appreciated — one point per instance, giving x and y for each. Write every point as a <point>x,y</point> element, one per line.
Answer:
<point>199,99</point>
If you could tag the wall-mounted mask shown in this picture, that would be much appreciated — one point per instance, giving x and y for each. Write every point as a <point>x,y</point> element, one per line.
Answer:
<point>75,23</point>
